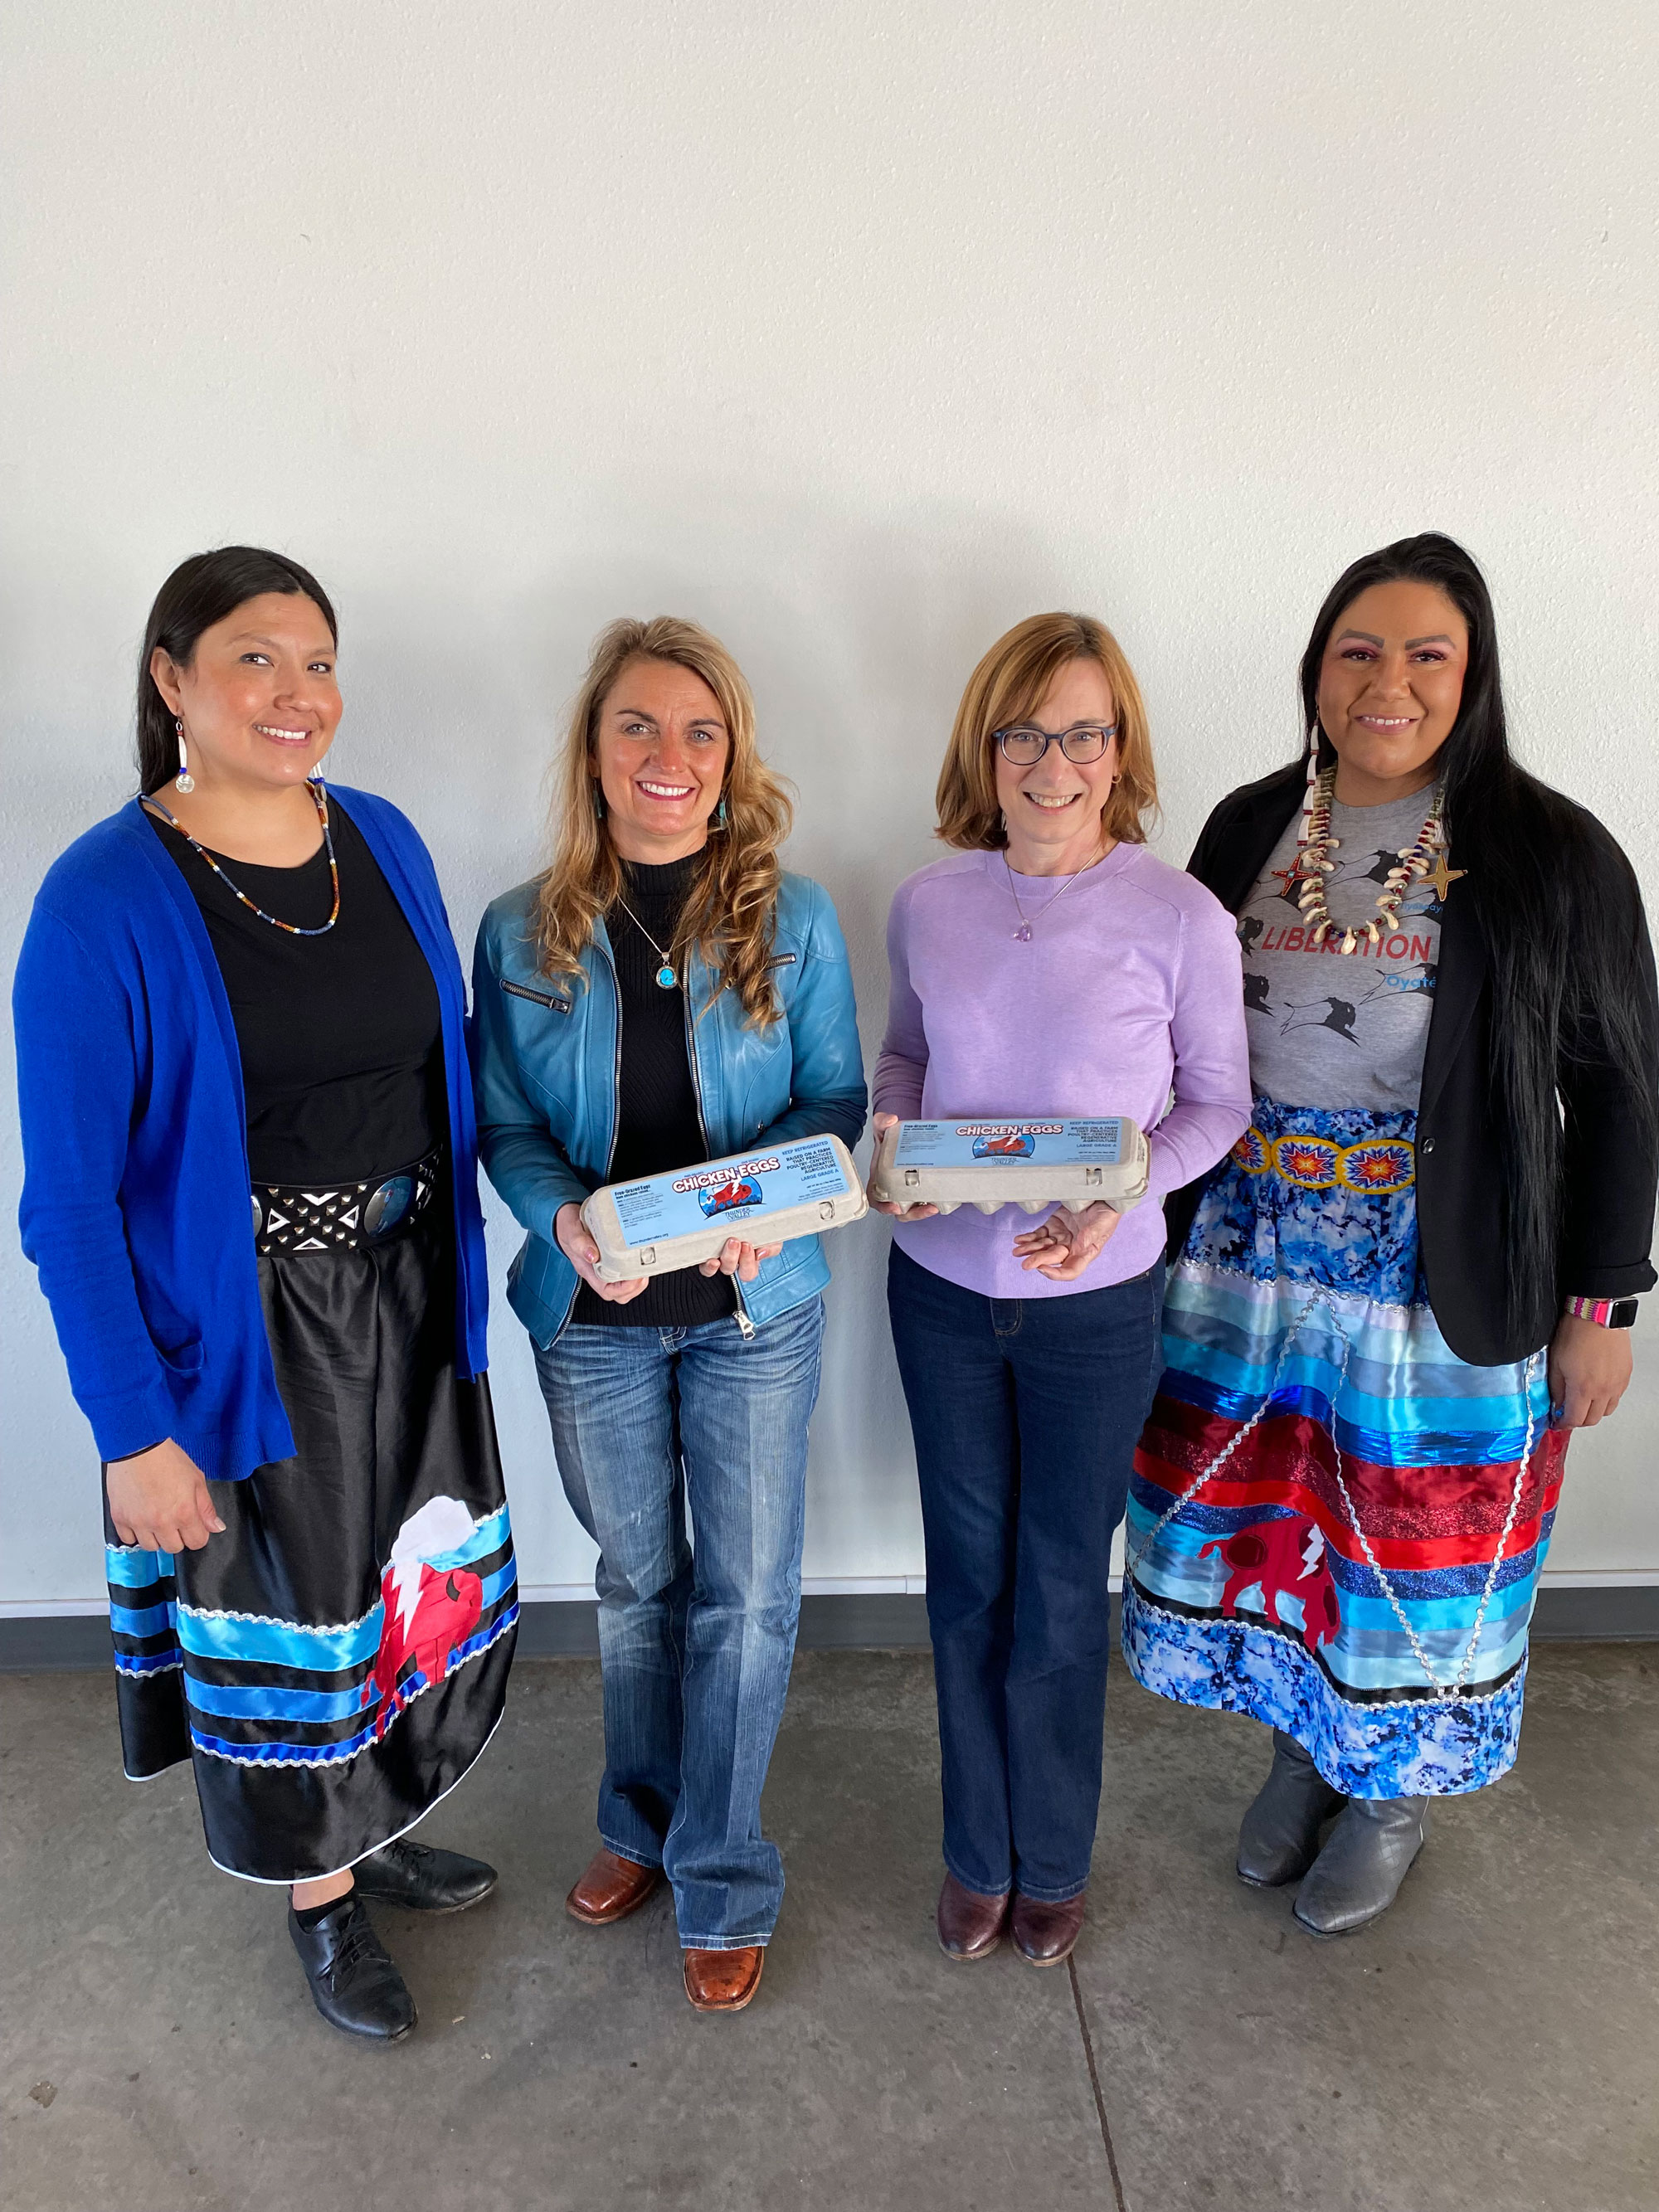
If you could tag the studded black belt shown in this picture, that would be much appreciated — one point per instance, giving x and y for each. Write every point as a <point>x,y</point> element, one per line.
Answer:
<point>291,1217</point>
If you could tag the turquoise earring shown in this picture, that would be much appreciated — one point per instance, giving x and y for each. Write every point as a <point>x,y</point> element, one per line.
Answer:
<point>719,821</point>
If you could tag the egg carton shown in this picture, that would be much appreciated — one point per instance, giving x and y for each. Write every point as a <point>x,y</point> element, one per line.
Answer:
<point>1031,1164</point>
<point>662,1222</point>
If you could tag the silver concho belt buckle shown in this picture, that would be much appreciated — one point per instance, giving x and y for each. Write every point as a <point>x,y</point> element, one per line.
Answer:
<point>388,1208</point>
<point>344,1217</point>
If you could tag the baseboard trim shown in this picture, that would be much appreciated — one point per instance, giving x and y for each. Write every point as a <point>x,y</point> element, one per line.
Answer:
<point>867,1620</point>
<point>54,1644</point>
<point>1602,1612</point>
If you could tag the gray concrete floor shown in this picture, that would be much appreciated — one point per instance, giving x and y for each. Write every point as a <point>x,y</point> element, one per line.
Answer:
<point>1490,2047</point>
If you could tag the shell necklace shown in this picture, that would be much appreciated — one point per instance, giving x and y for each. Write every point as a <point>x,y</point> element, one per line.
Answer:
<point>1313,863</point>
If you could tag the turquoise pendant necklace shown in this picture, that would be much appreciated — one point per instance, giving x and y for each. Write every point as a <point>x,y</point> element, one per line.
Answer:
<point>666,979</point>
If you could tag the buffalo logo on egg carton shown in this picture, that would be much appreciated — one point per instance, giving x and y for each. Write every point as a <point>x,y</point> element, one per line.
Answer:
<point>726,1197</point>
<point>727,1187</point>
<point>1010,1145</point>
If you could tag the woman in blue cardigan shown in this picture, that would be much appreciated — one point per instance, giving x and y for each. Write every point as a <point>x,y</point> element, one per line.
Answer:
<point>251,1192</point>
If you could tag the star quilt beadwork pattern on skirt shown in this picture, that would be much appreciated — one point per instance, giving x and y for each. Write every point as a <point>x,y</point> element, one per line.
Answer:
<point>1270,1591</point>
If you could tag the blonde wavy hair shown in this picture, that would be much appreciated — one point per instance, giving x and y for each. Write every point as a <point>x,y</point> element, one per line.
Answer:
<point>1007,686</point>
<point>730,908</point>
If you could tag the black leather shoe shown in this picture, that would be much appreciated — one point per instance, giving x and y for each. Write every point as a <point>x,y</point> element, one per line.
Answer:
<point>353,1983</point>
<point>421,1879</point>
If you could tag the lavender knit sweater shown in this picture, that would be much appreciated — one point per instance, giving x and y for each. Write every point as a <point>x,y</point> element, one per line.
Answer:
<point>1129,988</point>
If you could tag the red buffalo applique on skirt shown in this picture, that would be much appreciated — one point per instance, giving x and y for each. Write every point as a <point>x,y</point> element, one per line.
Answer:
<point>1336,1524</point>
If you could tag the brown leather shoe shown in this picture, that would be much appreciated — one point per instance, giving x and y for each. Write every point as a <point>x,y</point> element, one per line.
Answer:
<point>1046,1934</point>
<point>609,1889</point>
<point>723,1981</point>
<point>970,1926</point>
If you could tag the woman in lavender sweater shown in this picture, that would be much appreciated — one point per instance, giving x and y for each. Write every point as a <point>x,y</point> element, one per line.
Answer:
<point>1050,966</point>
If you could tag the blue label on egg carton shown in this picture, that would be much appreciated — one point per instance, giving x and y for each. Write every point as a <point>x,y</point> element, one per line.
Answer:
<point>1049,1144</point>
<point>678,1204</point>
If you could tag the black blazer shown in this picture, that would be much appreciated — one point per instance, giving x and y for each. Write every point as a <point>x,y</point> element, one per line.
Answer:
<point>1608,1224</point>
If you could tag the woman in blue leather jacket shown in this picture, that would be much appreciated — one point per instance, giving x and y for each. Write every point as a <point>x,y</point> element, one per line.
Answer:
<point>663,995</point>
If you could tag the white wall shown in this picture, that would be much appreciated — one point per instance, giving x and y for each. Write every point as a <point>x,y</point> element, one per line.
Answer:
<point>856,332</point>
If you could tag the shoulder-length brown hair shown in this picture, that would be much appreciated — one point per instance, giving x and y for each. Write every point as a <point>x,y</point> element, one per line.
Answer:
<point>730,911</point>
<point>1006,687</point>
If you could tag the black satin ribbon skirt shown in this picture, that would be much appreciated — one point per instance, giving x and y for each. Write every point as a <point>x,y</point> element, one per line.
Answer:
<point>334,1662</point>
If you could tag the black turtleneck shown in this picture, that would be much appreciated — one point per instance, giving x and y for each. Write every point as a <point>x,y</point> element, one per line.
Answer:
<point>657,1125</point>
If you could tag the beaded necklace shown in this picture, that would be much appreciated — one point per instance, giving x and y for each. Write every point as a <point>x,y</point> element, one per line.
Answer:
<point>1313,865</point>
<point>318,792</point>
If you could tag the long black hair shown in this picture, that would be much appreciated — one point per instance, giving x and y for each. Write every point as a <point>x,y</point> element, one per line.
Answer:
<point>199,593</point>
<point>1569,978</point>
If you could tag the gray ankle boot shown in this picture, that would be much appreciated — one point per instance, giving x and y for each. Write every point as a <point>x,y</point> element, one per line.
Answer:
<point>1280,1832</point>
<point>1358,1875</point>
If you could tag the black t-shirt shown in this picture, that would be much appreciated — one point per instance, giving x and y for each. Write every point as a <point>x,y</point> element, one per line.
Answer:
<point>341,1035</point>
<point>657,1125</point>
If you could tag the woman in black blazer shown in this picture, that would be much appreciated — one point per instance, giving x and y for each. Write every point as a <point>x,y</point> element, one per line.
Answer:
<point>1416,1272</point>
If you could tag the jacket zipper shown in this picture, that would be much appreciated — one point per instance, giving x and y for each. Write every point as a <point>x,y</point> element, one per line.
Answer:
<point>537,998</point>
<point>616,1101</point>
<point>615,1071</point>
<point>746,1328</point>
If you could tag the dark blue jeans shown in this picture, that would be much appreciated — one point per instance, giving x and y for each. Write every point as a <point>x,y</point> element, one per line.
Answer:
<point>652,1427</point>
<point>1026,1412</point>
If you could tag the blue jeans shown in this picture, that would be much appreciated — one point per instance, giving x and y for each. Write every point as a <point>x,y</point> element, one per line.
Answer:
<point>1026,1412</point>
<point>650,1426</point>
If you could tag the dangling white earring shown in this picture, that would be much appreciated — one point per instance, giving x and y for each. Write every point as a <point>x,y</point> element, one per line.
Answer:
<point>184,781</point>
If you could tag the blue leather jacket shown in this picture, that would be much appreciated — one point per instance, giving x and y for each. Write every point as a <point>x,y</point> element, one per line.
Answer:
<point>545,1056</point>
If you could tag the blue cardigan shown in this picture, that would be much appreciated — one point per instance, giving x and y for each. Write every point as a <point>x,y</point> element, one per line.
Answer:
<point>135,1205</point>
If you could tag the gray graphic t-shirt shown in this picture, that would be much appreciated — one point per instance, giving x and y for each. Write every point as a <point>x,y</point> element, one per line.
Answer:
<point>1334,1031</point>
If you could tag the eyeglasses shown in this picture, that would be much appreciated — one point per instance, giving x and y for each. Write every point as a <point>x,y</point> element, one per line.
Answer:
<point>1025,746</point>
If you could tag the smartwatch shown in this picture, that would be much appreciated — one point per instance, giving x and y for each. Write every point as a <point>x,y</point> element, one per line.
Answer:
<point>1606,1313</point>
